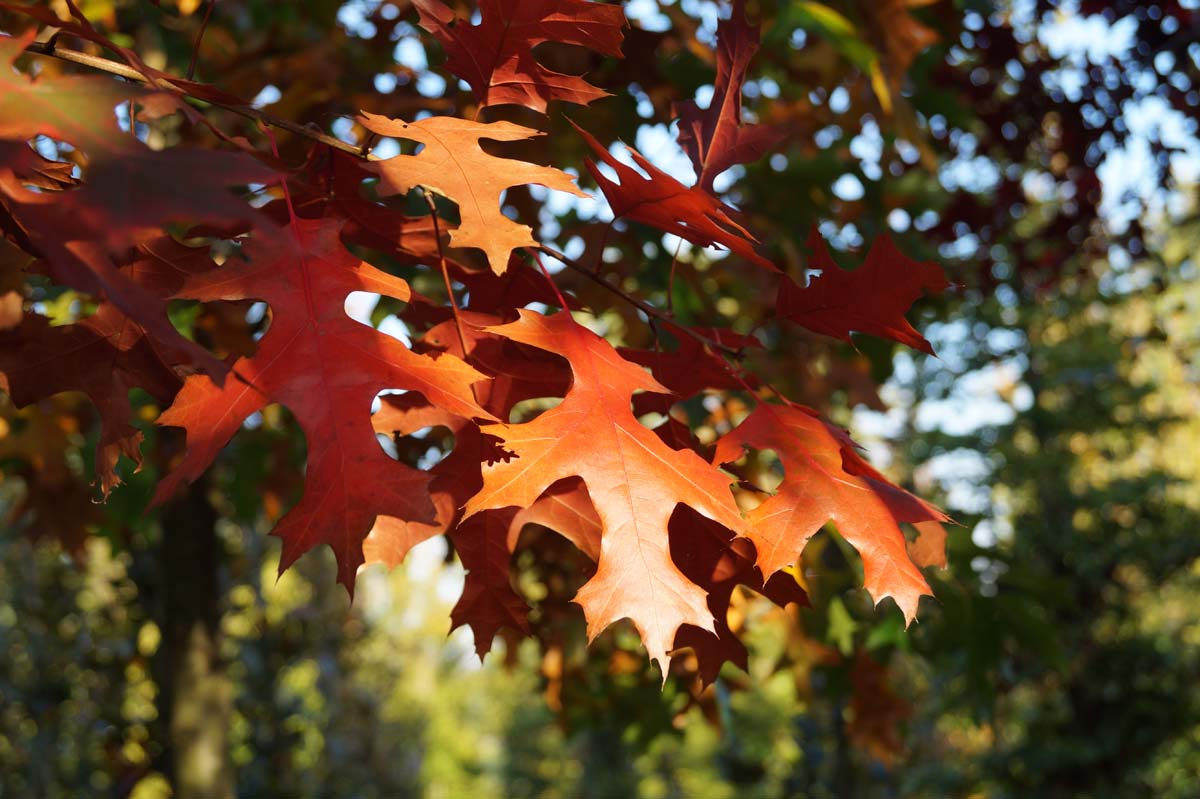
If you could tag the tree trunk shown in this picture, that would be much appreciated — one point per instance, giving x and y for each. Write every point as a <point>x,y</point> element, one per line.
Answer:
<point>196,699</point>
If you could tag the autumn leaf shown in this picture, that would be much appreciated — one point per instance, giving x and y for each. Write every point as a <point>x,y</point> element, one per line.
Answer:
<point>496,57</point>
<point>488,602</point>
<point>634,480</point>
<point>36,446</point>
<point>691,368</point>
<point>929,547</point>
<point>566,508</point>
<point>899,37</point>
<point>663,202</point>
<point>877,711</point>
<point>826,480</point>
<point>715,558</point>
<point>716,138</point>
<point>484,542</point>
<point>128,192</point>
<point>104,356</point>
<point>871,299</point>
<point>128,188</point>
<point>79,26</point>
<point>326,369</point>
<point>453,163</point>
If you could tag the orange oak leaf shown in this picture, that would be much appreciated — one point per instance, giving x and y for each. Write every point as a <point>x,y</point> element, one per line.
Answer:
<point>326,368</point>
<point>517,372</point>
<point>871,299</point>
<point>566,508</point>
<point>929,548</point>
<point>634,480</point>
<point>715,138</point>
<point>663,202</point>
<point>496,57</point>
<point>826,480</point>
<point>454,164</point>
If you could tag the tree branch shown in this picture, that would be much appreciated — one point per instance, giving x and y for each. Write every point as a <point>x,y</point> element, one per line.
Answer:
<point>52,50</point>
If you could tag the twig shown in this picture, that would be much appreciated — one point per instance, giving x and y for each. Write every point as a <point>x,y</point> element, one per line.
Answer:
<point>641,305</point>
<point>671,279</point>
<point>199,38</point>
<point>52,50</point>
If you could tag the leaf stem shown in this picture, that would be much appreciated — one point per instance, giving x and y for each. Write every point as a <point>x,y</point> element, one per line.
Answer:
<point>671,279</point>
<point>437,236</point>
<point>200,37</point>
<point>537,256</point>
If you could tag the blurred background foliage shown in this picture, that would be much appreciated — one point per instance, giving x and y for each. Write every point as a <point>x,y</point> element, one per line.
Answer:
<point>1045,151</point>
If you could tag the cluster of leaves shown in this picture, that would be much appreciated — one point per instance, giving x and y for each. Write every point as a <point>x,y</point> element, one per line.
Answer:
<point>670,522</point>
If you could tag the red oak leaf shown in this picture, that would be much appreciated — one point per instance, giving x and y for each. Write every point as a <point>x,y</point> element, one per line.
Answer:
<point>691,368</point>
<point>634,480</point>
<point>715,138</point>
<point>104,356</point>
<point>128,192</point>
<point>326,368</point>
<point>871,299</point>
<point>663,202</point>
<point>485,545</point>
<point>496,57</point>
<point>825,481</point>
<point>453,163</point>
<point>566,508</point>
<point>488,602</point>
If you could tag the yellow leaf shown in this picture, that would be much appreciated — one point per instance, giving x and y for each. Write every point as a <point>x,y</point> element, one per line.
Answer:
<point>880,85</point>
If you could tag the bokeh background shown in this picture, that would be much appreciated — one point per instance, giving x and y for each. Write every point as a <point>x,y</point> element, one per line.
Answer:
<point>1044,151</point>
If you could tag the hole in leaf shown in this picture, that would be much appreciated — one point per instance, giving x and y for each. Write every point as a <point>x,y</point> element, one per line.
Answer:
<point>380,313</point>
<point>759,474</point>
<point>529,409</point>
<point>410,430</point>
<point>228,328</point>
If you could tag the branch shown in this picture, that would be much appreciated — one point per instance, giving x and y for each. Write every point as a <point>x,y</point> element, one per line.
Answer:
<point>52,50</point>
